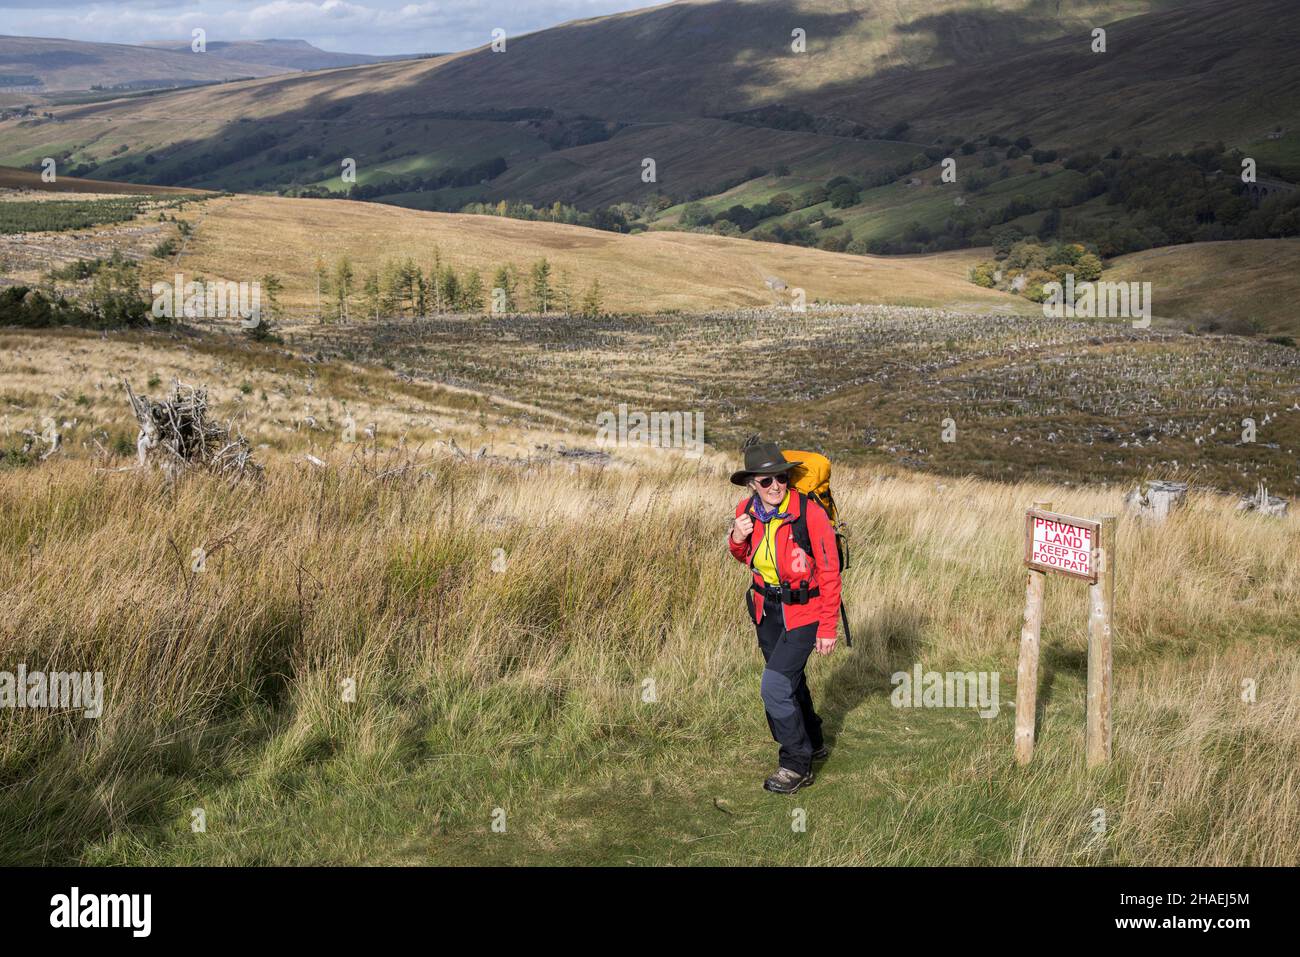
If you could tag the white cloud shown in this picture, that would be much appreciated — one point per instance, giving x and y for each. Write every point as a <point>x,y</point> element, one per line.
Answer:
<point>371,26</point>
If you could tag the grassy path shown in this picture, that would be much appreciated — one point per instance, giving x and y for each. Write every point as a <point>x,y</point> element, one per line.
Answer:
<point>903,786</point>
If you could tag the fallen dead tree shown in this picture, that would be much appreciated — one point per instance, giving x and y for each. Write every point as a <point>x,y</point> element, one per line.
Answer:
<point>50,437</point>
<point>1263,504</point>
<point>179,433</point>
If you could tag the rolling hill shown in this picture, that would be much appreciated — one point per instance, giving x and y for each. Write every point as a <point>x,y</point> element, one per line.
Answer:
<point>242,237</point>
<point>883,92</point>
<point>291,54</point>
<point>52,65</point>
<point>736,117</point>
<point>951,68</point>
<point>1246,286</point>
<point>23,179</point>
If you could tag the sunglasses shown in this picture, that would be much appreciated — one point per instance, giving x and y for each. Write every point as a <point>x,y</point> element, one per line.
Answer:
<point>767,480</point>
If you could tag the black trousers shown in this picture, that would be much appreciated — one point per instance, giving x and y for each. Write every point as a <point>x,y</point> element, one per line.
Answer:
<point>786,698</point>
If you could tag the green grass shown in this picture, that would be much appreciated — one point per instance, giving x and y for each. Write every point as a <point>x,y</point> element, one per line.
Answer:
<point>672,782</point>
<point>886,211</point>
<point>62,215</point>
<point>451,199</point>
<point>621,795</point>
<point>1284,153</point>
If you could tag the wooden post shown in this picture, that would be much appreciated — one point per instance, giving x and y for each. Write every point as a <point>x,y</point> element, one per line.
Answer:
<point>1101,602</point>
<point>1027,667</point>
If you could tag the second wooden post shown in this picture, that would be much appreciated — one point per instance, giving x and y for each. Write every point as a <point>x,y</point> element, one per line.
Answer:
<point>1101,601</point>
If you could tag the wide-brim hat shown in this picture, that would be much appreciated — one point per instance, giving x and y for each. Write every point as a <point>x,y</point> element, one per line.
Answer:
<point>762,458</point>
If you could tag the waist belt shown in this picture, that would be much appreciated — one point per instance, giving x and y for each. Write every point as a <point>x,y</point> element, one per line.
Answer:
<point>786,593</point>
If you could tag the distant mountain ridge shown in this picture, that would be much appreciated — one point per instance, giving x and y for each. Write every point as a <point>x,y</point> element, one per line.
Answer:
<point>53,65</point>
<point>67,65</point>
<point>289,53</point>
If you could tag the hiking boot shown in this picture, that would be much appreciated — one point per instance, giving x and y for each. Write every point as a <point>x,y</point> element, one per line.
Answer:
<point>821,754</point>
<point>785,781</point>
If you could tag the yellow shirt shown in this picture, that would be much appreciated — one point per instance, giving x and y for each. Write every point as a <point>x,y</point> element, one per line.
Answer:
<point>765,555</point>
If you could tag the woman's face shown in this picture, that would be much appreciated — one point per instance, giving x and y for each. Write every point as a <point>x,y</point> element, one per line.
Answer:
<point>775,491</point>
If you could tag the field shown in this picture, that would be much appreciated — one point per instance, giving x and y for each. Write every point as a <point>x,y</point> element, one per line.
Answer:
<point>22,179</point>
<point>1245,285</point>
<point>446,620</point>
<point>1068,401</point>
<point>45,215</point>
<point>1085,400</point>
<point>1072,401</point>
<point>886,211</point>
<point>46,226</point>
<point>242,237</point>
<point>525,689</point>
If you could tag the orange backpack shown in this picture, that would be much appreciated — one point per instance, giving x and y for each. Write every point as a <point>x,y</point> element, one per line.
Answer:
<point>812,476</point>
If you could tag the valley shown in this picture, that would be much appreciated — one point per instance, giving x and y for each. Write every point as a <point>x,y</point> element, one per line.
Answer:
<point>367,582</point>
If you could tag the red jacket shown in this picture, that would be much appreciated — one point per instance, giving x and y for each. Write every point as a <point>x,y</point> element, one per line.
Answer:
<point>821,569</point>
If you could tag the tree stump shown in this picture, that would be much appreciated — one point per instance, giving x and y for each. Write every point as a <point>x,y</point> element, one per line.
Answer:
<point>1157,500</point>
<point>180,434</point>
<point>1263,503</point>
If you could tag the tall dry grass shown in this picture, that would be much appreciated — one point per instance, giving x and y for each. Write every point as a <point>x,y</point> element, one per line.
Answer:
<point>524,682</point>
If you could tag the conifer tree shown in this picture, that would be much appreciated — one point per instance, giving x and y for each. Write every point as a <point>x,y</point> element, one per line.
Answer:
<point>371,294</point>
<point>504,281</point>
<point>591,302</point>
<point>342,287</point>
<point>449,285</point>
<point>564,293</point>
<point>472,294</point>
<point>541,286</point>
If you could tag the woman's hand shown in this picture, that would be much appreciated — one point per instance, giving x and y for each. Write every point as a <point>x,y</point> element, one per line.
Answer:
<point>825,646</point>
<point>742,528</point>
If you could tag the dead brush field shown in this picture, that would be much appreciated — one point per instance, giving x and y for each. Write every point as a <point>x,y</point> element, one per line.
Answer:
<point>1062,400</point>
<point>283,401</point>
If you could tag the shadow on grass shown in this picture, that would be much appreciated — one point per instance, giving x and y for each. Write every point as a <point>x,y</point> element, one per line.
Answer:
<point>886,641</point>
<point>1056,659</point>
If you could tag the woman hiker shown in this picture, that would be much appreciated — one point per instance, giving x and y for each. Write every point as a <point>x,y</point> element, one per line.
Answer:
<point>788,542</point>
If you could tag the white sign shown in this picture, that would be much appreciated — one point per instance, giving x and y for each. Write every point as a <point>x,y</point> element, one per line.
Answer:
<point>1061,543</point>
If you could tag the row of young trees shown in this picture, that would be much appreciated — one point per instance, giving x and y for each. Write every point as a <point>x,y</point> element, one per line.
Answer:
<point>403,288</point>
<point>112,298</point>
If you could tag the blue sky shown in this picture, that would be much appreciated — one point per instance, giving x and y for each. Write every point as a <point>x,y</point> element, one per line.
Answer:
<point>351,26</point>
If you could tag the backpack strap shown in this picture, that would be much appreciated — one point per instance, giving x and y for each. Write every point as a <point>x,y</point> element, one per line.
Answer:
<point>799,527</point>
<point>749,510</point>
<point>799,531</point>
<point>831,511</point>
